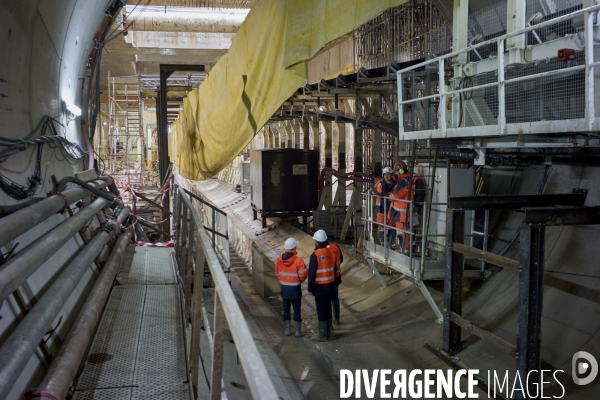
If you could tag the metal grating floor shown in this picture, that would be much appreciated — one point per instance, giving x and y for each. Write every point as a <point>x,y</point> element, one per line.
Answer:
<point>139,348</point>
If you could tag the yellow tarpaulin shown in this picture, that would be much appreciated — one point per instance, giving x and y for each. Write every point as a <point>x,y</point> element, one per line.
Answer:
<point>265,65</point>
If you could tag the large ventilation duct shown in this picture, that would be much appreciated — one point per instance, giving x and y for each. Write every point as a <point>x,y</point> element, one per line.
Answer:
<point>206,21</point>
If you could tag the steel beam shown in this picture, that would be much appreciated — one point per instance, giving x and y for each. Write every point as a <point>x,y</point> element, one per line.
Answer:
<point>575,199</point>
<point>564,216</point>
<point>455,232</point>
<point>529,325</point>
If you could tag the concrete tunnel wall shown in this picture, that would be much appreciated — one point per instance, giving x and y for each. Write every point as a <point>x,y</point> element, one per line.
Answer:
<point>571,283</point>
<point>44,51</point>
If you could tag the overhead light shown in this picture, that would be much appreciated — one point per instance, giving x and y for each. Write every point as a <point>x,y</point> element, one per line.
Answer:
<point>72,108</point>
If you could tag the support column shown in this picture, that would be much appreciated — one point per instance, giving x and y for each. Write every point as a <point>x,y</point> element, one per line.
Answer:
<point>316,136</point>
<point>531,291</point>
<point>460,28</point>
<point>341,148</point>
<point>288,143</point>
<point>358,149</point>
<point>453,290</point>
<point>305,126</point>
<point>515,21</point>
<point>327,150</point>
<point>277,139</point>
<point>377,147</point>
<point>296,129</point>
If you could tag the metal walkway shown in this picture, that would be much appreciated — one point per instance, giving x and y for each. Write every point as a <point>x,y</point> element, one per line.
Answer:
<point>138,351</point>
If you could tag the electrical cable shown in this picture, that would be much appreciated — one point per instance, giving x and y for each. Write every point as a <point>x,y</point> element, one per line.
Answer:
<point>35,130</point>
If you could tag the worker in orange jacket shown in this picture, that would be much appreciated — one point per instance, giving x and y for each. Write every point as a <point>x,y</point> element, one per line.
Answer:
<point>291,272</point>
<point>398,209</point>
<point>383,188</point>
<point>321,282</point>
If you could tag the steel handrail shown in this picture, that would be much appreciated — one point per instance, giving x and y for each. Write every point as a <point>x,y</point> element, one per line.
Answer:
<point>259,381</point>
<point>553,21</point>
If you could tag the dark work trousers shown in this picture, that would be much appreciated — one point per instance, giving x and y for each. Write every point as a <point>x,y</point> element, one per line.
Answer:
<point>323,304</point>
<point>335,300</point>
<point>286,309</point>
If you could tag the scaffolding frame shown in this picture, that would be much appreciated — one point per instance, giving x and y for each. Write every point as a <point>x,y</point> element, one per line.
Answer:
<point>126,135</point>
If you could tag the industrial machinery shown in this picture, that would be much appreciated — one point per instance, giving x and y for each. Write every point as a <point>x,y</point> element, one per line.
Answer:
<point>284,182</point>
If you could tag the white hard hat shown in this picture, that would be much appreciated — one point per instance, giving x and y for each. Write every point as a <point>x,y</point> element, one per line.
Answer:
<point>386,170</point>
<point>290,244</point>
<point>320,236</point>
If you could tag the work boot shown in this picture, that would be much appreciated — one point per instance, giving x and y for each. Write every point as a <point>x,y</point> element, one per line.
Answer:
<point>287,327</point>
<point>298,328</point>
<point>329,328</point>
<point>336,314</point>
<point>322,332</point>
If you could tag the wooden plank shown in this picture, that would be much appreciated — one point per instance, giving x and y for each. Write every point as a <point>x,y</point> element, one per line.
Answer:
<point>491,258</point>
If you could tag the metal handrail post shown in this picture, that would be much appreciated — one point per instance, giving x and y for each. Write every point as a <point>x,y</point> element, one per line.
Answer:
<point>217,354</point>
<point>424,222</point>
<point>589,18</point>
<point>213,228</point>
<point>410,238</point>
<point>197,299</point>
<point>485,237</point>
<point>227,308</point>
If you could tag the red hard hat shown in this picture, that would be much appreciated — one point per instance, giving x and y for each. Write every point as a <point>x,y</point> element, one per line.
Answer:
<point>400,165</point>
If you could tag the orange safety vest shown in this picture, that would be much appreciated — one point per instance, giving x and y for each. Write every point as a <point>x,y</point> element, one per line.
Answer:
<point>338,259</point>
<point>291,272</point>
<point>379,190</point>
<point>400,194</point>
<point>326,259</point>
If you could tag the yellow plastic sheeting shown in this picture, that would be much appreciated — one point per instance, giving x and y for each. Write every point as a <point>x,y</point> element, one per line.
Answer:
<point>266,64</point>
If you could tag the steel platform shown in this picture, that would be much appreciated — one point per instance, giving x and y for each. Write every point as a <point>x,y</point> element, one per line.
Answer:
<point>138,351</point>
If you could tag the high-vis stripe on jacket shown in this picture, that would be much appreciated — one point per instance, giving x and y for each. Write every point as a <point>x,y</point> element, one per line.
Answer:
<point>290,270</point>
<point>398,208</point>
<point>326,259</point>
<point>383,189</point>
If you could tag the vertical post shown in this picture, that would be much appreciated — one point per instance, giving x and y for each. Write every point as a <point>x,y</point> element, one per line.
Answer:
<point>184,241</point>
<point>305,133</point>
<point>314,127</point>
<point>217,354</point>
<point>357,153</point>
<point>501,90</point>
<point>163,158</point>
<point>376,166</point>
<point>400,84</point>
<point>177,217</point>
<point>455,232</point>
<point>296,128</point>
<point>515,21</point>
<point>196,315</point>
<point>328,150</point>
<point>163,142</point>
<point>531,285</point>
<point>485,238</point>
<point>442,106</point>
<point>213,225</point>
<point>589,69</point>
<point>341,127</point>
<point>188,268</point>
